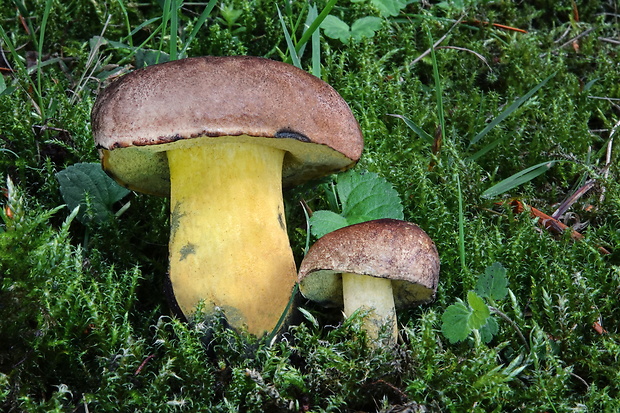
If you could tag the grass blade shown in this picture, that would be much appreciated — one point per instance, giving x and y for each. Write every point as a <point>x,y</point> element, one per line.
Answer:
<point>487,148</point>
<point>135,49</point>
<point>39,91</point>
<point>199,23</point>
<point>414,127</point>
<point>295,27</point>
<point>461,225</point>
<point>174,28</point>
<point>138,28</point>
<point>289,42</point>
<point>517,179</point>
<point>515,105</point>
<point>283,317</point>
<point>438,93</point>
<point>164,26</point>
<point>316,42</point>
<point>315,24</point>
<point>127,24</point>
<point>19,5</point>
<point>21,68</point>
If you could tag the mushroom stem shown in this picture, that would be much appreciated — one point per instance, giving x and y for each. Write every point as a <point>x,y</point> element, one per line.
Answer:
<point>372,293</point>
<point>228,241</point>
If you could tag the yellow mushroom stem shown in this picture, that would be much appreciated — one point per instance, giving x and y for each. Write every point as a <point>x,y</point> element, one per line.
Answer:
<point>371,293</point>
<point>228,242</point>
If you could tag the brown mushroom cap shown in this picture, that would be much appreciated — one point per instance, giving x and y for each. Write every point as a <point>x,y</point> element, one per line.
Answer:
<point>196,100</point>
<point>384,248</point>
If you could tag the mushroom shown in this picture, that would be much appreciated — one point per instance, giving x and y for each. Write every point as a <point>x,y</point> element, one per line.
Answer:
<point>221,136</point>
<point>375,265</point>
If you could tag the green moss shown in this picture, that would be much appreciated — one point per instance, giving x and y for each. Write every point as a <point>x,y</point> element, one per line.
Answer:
<point>84,322</point>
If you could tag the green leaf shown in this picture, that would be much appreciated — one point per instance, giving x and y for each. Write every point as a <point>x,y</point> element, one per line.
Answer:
<point>480,311</point>
<point>366,196</point>
<point>323,222</point>
<point>488,330</point>
<point>86,185</point>
<point>148,57</point>
<point>517,179</point>
<point>335,28</point>
<point>459,320</point>
<point>389,8</point>
<point>365,28</point>
<point>493,283</point>
<point>455,322</point>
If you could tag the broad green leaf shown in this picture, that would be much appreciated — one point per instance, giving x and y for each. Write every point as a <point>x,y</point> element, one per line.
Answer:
<point>457,5</point>
<point>86,185</point>
<point>517,179</point>
<point>493,283</point>
<point>148,57</point>
<point>329,191</point>
<point>357,219</point>
<point>389,8</point>
<point>488,330</point>
<point>455,322</point>
<point>335,28</point>
<point>480,311</point>
<point>367,195</point>
<point>365,28</point>
<point>345,183</point>
<point>323,222</point>
<point>364,196</point>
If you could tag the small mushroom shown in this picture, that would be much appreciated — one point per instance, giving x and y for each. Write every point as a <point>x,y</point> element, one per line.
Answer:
<point>376,265</point>
<point>221,136</point>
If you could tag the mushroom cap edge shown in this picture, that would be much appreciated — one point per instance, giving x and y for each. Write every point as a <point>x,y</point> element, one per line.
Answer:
<point>197,100</point>
<point>385,248</point>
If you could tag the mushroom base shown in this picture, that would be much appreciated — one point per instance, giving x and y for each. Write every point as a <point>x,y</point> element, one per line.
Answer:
<point>371,293</point>
<point>229,246</point>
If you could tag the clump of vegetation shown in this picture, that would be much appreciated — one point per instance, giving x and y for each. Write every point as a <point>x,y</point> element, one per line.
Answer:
<point>504,111</point>
<point>356,196</point>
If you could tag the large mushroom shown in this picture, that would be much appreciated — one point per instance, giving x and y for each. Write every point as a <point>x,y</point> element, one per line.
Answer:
<point>376,265</point>
<point>221,136</point>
